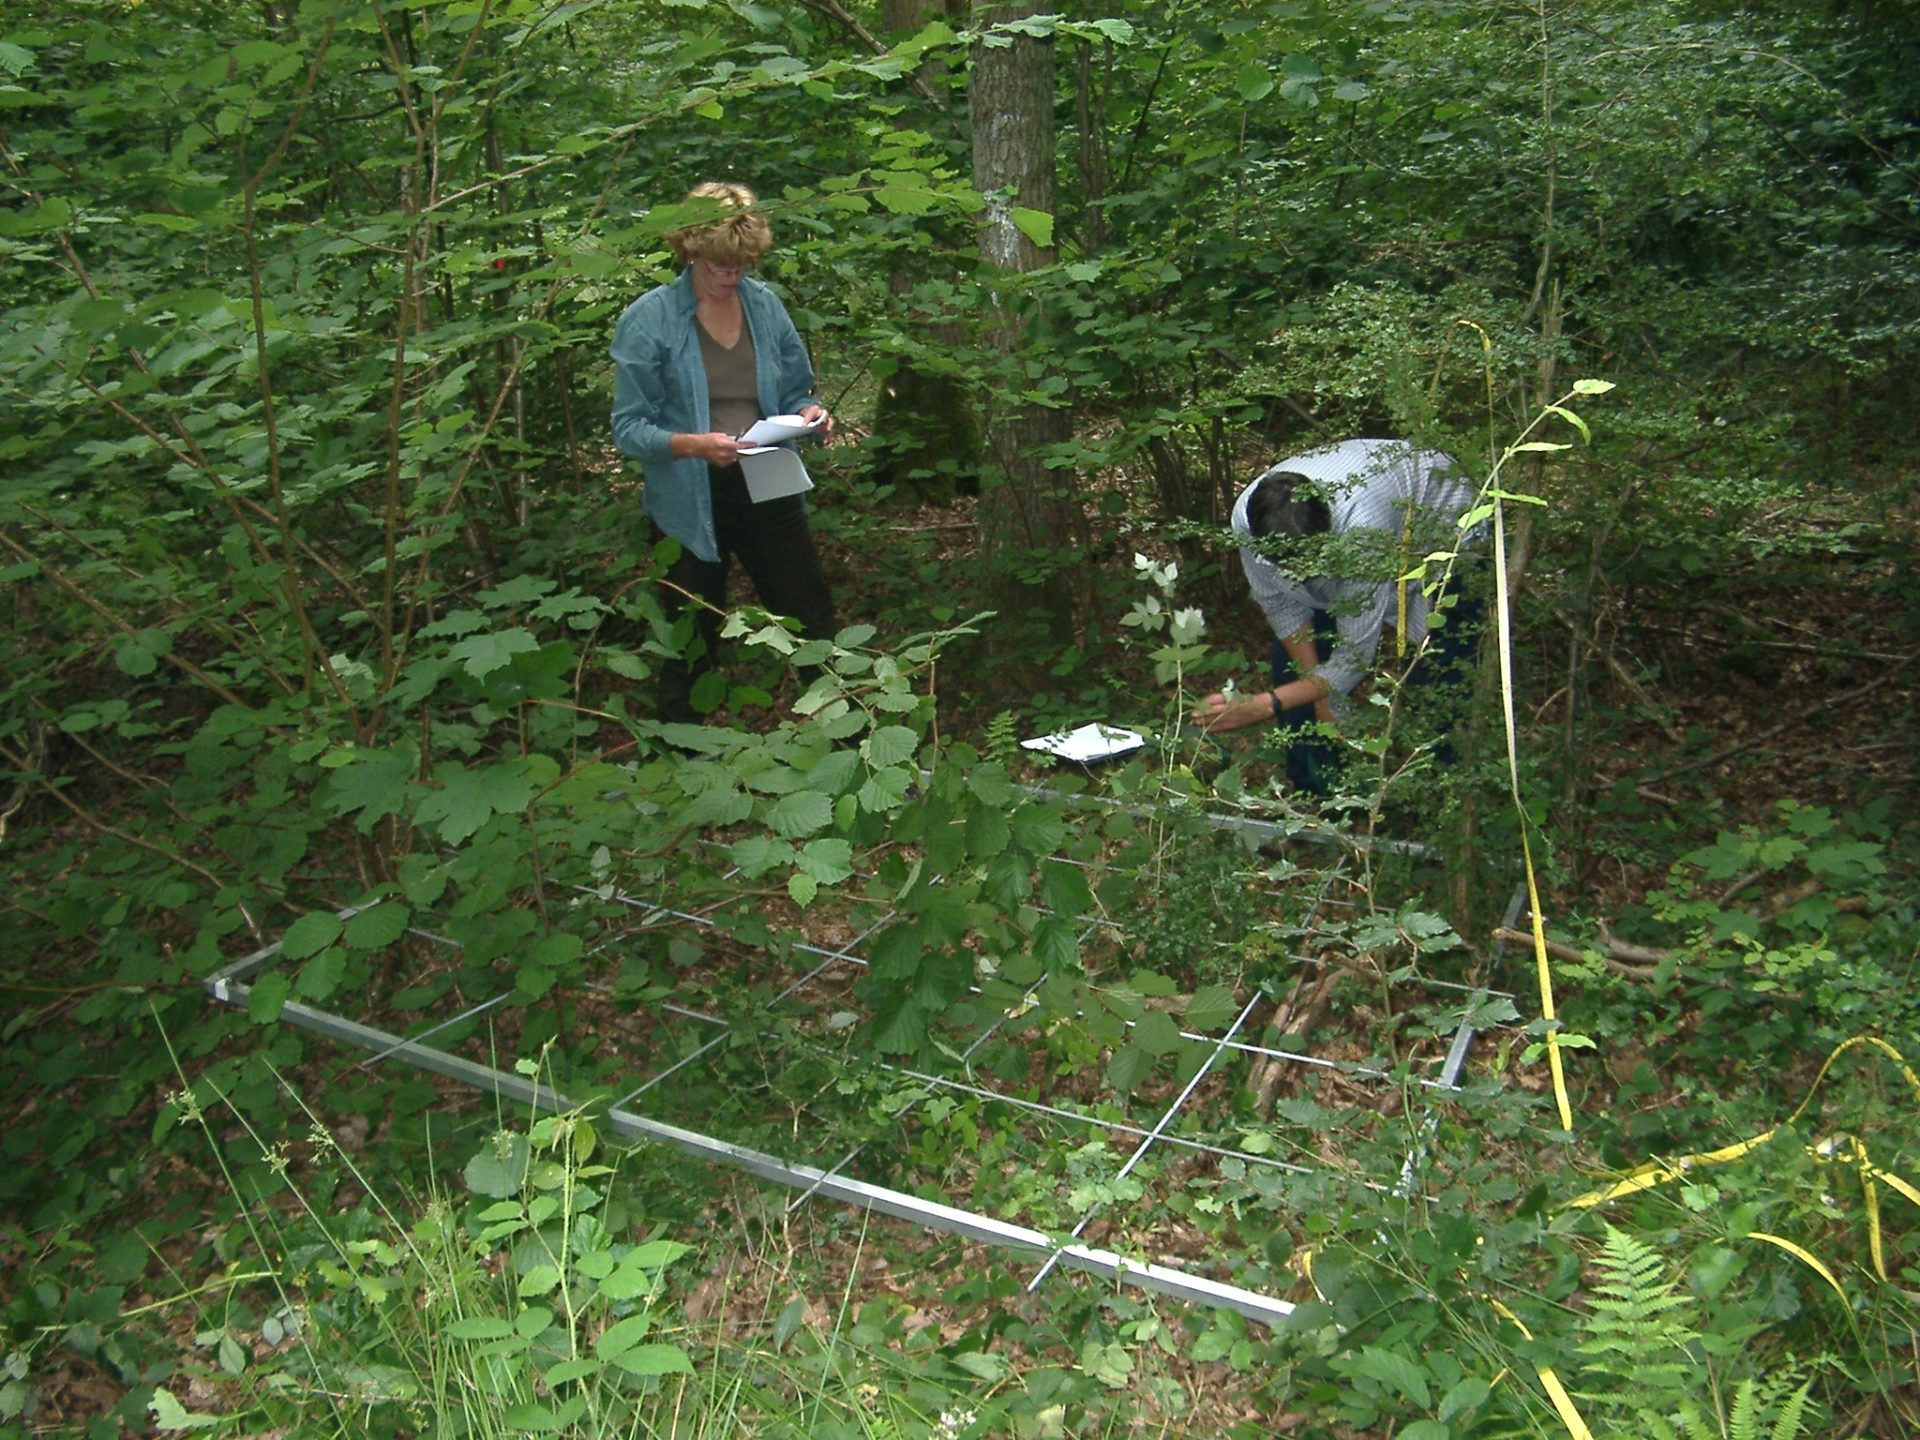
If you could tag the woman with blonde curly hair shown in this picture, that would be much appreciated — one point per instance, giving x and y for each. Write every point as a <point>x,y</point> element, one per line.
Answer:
<point>696,362</point>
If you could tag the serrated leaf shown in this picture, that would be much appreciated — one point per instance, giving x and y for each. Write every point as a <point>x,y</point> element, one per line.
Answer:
<point>1156,1033</point>
<point>320,976</point>
<point>468,799</point>
<point>623,1335</point>
<point>757,854</point>
<point>827,861</point>
<point>984,1364</point>
<point>378,927</point>
<point>890,745</point>
<point>312,932</point>
<point>1211,1007</point>
<point>266,997</point>
<point>1391,1368</point>
<point>1129,1066</point>
<point>801,813</point>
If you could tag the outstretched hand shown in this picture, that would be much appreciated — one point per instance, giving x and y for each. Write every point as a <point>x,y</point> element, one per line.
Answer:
<point>1221,711</point>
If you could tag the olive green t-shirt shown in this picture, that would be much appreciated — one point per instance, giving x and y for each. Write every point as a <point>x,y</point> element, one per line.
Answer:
<point>733,396</point>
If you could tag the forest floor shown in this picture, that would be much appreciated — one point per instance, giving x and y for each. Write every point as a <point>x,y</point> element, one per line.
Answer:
<point>1683,706</point>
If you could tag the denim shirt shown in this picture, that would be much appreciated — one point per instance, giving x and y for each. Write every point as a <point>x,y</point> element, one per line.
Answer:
<point>660,390</point>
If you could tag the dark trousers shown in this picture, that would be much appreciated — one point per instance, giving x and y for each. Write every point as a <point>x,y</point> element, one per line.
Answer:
<point>1314,758</point>
<point>774,545</point>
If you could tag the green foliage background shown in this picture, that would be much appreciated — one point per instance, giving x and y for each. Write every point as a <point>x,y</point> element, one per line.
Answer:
<point>323,587</point>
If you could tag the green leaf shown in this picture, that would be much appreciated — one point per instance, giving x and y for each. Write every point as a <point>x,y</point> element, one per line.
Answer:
<point>827,861</point>
<point>984,1365</point>
<point>1156,1033</point>
<point>623,1335</point>
<point>483,654</point>
<point>468,799</point>
<point>1129,1066</point>
<point>1211,1007</point>
<point>312,932</point>
<point>889,745</point>
<point>379,927</point>
<point>1036,225</point>
<point>320,976</point>
<point>499,1170</point>
<point>170,1414</point>
<point>266,996</point>
<point>139,654</point>
<point>1592,387</point>
<point>1392,1368</point>
<point>543,1419</point>
<point>479,1327</point>
<point>371,783</point>
<point>1468,1394</point>
<point>801,813</point>
<point>653,1360</point>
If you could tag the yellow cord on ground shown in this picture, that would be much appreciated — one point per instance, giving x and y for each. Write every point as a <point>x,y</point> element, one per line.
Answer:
<point>1550,1382</point>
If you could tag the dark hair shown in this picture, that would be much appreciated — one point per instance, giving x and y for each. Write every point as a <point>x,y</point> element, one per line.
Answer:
<point>1285,502</point>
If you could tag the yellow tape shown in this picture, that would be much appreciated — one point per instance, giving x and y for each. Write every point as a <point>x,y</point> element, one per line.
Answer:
<point>1550,1382</point>
<point>1872,1197</point>
<point>1657,1172</point>
<point>1542,969</point>
<point>1803,1254</point>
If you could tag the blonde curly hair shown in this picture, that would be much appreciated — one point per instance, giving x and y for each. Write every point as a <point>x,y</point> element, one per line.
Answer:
<point>739,238</point>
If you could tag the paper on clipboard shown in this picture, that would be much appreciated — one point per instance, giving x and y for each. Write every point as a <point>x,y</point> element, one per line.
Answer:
<point>1088,743</point>
<point>772,472</point>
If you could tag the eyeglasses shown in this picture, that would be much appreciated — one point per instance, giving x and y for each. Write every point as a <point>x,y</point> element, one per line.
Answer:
<point>730,271</point>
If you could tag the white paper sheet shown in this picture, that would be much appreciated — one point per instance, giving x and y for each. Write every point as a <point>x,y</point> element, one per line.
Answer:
<point>1087,743</point>
<point>779,427</point>
<point>772,472</point>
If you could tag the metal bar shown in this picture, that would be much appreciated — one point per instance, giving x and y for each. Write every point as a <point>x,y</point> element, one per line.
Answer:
<point>1107,1264</point>
<point>432,1030</point>
<point>1146,1144</point>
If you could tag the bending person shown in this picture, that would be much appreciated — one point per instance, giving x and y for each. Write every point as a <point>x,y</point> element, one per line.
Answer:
<point>1386,505</point>
<point>696,362</point>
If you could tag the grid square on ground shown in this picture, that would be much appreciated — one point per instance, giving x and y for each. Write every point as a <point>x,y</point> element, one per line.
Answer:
<point>666,1056</point>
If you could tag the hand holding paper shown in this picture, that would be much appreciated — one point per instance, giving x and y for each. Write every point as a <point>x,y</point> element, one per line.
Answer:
<point>776,428</point>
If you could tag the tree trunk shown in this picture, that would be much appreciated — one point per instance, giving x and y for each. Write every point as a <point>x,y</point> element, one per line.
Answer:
<point>1030,520</point>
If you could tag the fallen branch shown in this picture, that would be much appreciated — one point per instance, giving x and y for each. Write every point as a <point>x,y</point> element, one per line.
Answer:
<point>1620,956</point>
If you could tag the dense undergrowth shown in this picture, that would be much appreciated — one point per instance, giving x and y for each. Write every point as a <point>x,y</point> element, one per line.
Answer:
<point>332,626</point>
